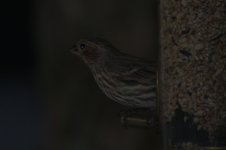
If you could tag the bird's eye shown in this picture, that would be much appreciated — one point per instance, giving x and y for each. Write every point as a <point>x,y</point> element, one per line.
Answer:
<point>82,46</point>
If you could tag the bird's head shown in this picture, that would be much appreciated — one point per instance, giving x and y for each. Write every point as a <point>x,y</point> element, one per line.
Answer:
<point>92,50</point>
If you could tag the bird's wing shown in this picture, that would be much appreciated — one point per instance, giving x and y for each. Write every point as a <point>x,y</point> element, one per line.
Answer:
<point>142,75</point>
<point>132,68</point>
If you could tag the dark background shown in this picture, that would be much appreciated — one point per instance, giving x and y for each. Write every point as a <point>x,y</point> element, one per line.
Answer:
<point>48,98</point>
<point>22,124</point>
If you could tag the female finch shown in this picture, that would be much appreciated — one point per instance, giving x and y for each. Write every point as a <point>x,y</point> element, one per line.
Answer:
<point>125,79</point>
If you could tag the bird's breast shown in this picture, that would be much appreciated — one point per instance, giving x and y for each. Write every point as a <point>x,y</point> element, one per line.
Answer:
<point>126,92</point>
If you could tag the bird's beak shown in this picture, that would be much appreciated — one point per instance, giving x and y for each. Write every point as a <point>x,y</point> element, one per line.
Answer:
<point>74,50</point>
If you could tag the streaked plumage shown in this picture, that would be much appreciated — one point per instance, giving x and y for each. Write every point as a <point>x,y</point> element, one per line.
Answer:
<point>125,79</point>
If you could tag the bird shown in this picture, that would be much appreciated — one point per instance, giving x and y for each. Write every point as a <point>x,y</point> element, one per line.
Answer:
<point>124,78</point>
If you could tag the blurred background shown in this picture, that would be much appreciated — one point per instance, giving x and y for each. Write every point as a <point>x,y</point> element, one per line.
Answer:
<point>49,99</point>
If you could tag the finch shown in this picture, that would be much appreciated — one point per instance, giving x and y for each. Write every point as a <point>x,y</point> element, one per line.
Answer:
<point>126,79</point>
